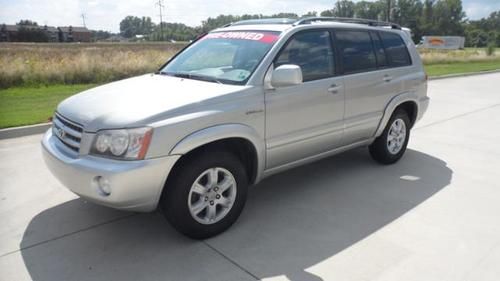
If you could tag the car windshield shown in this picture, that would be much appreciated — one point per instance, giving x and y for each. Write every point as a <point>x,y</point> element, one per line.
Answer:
<point>223,57</point>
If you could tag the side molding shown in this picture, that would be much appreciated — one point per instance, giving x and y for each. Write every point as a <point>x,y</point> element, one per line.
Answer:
<point>393,104</point>
<point>221,132</point>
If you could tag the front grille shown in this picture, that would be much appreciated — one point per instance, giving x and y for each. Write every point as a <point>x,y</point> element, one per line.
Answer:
<point>68,132</point>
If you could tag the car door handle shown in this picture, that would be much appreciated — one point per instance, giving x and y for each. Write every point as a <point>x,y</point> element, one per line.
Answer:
<point>387,78</point>
<point>334,89</point>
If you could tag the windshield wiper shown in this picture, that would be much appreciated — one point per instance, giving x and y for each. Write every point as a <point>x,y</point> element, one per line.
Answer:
<point>192,76</point>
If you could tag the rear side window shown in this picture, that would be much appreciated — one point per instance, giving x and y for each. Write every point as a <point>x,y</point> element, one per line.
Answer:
<point>395,49</point>
<point>312,51</point>
<point>357,50</point>
<point>379,50</point>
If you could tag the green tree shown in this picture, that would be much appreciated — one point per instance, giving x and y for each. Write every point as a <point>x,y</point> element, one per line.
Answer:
<point>131,26</point>
<point>147,26</point>
<point>100,35</point>
<point>448,17</point>
<point>490,25</point>
<point>368,10</point>
<point>27,22</point>
<point>407,13</point>
<point>476,38</point>
<point>174,31</point>
<point>426,18</point>
<point>221,20</point>
<point>344,9</point>
<point>341,8</point>
<point>327,13</point>
<point>285,15</point>
<point>310,14</point>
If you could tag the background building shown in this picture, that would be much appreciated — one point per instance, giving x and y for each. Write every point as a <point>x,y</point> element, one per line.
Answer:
<point>74,34</point>
<point>35,33</point>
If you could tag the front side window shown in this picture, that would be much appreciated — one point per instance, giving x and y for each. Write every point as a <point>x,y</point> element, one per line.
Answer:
<point>312,51</point>
<point>395,49</point>
<point>223,57</point>
<point>357,51</point>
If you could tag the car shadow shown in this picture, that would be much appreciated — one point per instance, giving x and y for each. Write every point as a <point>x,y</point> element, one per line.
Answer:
<point>292,221</point>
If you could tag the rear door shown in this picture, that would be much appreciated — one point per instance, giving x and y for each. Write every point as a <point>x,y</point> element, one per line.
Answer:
<point>366,79</point>
<point>305,119</point>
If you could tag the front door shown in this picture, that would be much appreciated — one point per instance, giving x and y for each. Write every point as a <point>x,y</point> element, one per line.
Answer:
<point>306,119</point>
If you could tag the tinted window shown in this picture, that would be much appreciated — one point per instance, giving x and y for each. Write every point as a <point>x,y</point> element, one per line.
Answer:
<point>395,49</point>
<point>379,50</point>
<point>357,51</point>
<point>312,51</point>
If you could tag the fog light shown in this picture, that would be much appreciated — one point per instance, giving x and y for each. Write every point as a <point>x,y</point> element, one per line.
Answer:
<point>103,186</point>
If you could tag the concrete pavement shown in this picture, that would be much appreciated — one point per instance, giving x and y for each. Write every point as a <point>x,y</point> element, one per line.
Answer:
<point>433,216</point>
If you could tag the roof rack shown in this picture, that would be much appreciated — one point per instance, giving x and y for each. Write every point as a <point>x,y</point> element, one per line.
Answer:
<point>347,20</point>
<point>263,21</point>
<point>314,19</point>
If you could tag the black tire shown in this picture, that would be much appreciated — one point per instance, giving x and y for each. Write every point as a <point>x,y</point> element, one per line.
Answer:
<point>174,201</point>
<point>379,149</point>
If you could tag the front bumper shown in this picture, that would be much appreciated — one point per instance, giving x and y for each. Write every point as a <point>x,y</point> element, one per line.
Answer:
<point>135,185</point>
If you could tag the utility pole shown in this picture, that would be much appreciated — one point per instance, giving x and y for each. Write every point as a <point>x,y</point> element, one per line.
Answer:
<point>161,6</point>
<point>83,19</point>
<point>388,10</point>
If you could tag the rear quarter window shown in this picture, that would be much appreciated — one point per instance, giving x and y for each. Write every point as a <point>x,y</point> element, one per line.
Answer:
<point>395,49</point>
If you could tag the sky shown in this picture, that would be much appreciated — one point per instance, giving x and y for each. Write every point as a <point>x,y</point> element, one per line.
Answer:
<point>107,14</point>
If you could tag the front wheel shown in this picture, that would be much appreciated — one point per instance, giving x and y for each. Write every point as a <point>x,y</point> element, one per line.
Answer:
<point>389,147</point>
<point>206,194</point>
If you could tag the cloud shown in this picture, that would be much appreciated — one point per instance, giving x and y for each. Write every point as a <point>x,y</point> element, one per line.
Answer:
<point>479,9</point>
<point>107,14</point>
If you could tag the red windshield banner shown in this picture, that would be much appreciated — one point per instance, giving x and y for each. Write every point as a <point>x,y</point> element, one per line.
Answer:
<point>263,37</point>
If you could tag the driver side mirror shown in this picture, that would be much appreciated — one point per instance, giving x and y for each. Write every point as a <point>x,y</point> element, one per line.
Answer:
<point>286,75</point>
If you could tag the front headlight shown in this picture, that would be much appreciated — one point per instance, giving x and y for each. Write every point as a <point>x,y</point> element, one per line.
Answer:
<point>131,144</point>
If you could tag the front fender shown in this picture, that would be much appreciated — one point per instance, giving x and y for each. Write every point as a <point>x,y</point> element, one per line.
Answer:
<point>221,132</point>
<point>392,105</point>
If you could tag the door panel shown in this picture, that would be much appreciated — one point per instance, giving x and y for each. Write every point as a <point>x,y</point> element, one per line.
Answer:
<point>367,85</point>
<point>366,96</point>
<point>305,119</point>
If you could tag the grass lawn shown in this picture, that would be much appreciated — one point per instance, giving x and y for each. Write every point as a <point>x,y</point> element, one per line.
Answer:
<point>461,67</point>
<point>31,105</point>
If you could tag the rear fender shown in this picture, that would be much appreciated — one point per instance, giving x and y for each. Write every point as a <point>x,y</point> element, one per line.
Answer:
<point>392,105</point>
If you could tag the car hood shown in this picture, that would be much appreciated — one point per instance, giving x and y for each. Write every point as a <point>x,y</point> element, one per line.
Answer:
<point>133,102</point>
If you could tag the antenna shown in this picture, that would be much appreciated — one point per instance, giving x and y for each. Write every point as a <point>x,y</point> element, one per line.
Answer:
<point>161,6</point>
<point>83,19</point>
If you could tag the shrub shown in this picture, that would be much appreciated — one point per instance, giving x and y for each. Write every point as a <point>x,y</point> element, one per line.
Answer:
<point>490,50</point>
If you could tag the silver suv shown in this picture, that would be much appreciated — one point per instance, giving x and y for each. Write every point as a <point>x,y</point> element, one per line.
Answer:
<point>242,102</point>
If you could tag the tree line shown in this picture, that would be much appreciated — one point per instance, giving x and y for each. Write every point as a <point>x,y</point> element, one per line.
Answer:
<point>423,17</point>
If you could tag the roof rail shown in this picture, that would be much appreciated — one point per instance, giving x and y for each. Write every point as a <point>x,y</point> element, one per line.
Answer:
<point>347,20</point>
<point>263,21</point>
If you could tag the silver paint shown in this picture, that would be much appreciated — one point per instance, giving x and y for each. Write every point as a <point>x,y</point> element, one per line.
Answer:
<point>288,126</point>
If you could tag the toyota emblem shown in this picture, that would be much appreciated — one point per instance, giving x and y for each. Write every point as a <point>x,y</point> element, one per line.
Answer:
<point>61,133</point>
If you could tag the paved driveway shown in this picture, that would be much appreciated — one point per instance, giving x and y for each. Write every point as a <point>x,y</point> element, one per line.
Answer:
<point>433,216</point>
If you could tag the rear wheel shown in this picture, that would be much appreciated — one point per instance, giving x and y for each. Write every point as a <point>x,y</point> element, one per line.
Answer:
<point>206,194</point>
<point>389,147</point>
